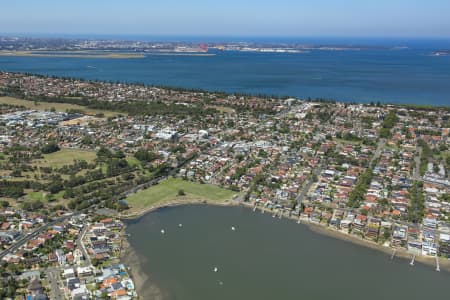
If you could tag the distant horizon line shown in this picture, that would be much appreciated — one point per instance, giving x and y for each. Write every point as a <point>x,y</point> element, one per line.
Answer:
<point>227,36</point>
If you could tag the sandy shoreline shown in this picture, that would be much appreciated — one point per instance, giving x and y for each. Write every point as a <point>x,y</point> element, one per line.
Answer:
<point>73,54</point>
<point>142,212</point>
<point>146,288</point>
<point>97,54</point>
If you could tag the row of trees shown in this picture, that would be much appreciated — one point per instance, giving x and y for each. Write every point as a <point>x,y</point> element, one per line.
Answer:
<point>131,107</point>
<point>388,123</point>
<point>8,287</point>
<point>13,189</point>
<point>356,196</point>
<point>146,156</point>
<point>425,155</point>
<point>416,209</point>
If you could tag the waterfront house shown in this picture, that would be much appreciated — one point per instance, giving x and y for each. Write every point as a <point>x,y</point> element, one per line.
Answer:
<point>399,235</point>
<point>359,224</point>
<point>444,245</point>
<point>429,248</point>
<point>372,229</point>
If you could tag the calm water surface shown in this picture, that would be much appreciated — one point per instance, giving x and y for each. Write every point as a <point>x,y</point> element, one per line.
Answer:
<point>267,258</point>
<point>400,76</point>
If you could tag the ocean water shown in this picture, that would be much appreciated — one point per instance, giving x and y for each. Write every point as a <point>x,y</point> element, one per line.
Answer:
<point>266,258</point>
<point>391,76</point>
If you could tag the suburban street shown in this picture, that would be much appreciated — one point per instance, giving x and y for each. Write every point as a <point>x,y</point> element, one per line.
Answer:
<point>24,239</point>
<point>417,176</point>
<point>54,278</point>
<point>309,183</point>
<point>377,153</point>
<point>321,166</point>
<point>80,245</point>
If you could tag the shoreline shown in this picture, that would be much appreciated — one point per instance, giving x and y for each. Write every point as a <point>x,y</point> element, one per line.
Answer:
<point>174,203</point>
<point>144,285</point>
<point>70,54</point>
<point>147,289</point>
<point>317,99</point>
<point>401,253</point>
<point>98,54</point>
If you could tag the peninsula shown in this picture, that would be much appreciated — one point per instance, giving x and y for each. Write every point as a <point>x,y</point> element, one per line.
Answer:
<point>78,155</point>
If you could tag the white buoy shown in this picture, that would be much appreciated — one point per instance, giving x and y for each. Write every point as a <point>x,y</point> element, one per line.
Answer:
<point>162,231</point>
<point>215,269</point>
<point>233,228</point>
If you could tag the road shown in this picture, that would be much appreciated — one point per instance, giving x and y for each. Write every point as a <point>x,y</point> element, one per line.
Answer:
<point>80,245</point>
<point>309,183</point>
<point>23,240</point>
<point>377,153</point>
<point>53,279</point>
<point>417,176</point>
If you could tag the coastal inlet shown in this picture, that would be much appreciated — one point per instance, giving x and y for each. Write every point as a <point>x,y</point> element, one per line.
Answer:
<point>267,258</point>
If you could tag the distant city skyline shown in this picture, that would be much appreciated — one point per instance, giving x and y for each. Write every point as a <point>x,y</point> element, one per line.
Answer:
<point>345,18</point>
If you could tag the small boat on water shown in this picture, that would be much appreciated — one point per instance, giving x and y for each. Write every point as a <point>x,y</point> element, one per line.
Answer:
<point>233,228</point>
<point>163,231</point>
<point>215,269</point>
<point>180,225</point>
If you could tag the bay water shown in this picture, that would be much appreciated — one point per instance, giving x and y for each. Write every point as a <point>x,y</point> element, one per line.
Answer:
<point>268,258</point>
<point>404,76</point>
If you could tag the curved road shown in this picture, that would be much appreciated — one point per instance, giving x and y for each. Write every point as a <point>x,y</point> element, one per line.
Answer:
<point>23,240</point>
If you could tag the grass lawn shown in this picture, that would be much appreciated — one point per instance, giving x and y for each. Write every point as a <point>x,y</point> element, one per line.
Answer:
<point>43,196</point>
<point>223,109</point>
<point>61,107</point>
<point>132,161</point>
<point>66,157</point>
<point>342,141</point>
<point>167,191</point>
<point>36,196</point>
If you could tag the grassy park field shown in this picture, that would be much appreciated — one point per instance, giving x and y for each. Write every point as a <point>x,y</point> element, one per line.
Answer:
<point>167,191</point>
<point>61,107</point>
<point>66,157</point>
<point>44,196</point>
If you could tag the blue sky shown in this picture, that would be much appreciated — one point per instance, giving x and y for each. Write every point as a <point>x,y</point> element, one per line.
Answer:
<point>347,18</point>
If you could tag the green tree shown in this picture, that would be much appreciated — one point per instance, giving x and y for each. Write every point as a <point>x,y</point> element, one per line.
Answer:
<point>50,148</point>
<point>146,156</point>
